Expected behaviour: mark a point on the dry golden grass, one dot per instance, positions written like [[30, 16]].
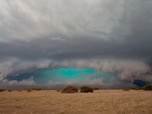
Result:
[[99, 102]]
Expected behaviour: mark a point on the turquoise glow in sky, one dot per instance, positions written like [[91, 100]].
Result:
[[63, 75]]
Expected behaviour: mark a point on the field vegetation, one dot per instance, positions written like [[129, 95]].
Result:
[[98, 102]]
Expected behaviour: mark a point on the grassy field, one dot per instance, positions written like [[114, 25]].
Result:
[[53, 102]]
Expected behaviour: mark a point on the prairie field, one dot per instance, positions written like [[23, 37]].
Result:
[[54, 102]]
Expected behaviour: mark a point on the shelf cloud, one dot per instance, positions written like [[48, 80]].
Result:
[[107, 36]]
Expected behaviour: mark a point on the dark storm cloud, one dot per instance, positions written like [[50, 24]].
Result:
[[74, 31], [128, 36]]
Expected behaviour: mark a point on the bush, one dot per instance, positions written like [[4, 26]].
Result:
[[58, 90], [86, 89], [2, 90], [37, 89], [9, 90], [95, 88], [19, 90], [29, 90], [125, 89], [70, 89], [147, 87], [137, 88]]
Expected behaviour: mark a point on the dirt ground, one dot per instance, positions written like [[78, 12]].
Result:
[[99, 102]]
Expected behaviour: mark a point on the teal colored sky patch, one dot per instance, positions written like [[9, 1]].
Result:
[[71, 74], [63, 75]]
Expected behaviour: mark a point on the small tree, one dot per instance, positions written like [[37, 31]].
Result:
[[2, 90], [29, 90], [70, 89], [86, 89], [147, 87], [36, 89], [126, 89], [95, 88], [58, 90], [9, 90]]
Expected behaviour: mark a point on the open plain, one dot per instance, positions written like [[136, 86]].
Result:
[[54, 102]]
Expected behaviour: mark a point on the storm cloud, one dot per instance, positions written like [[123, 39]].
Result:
[[111, 35]]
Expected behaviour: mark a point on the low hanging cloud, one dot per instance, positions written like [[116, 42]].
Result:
[[103, 35], [128, 71]]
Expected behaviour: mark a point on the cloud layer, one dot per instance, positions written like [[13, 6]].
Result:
[[104, 35]]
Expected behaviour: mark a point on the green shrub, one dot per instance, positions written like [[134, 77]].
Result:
[[37, 89], [147, 87], [86, 89], [95, 88], [137, 88], [9, 90], [70, 89], [2, 90], [19, 90], [29, 90], [58, 90], [125, 89]]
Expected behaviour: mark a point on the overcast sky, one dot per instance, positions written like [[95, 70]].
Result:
[[110, 35]]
